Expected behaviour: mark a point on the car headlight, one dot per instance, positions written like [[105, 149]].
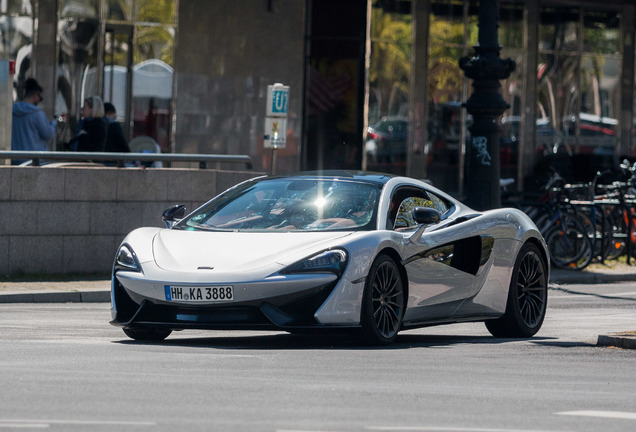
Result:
[[332, 261], [126, 259]]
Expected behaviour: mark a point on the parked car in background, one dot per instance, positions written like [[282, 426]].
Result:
[[386, 140], [547, 138]]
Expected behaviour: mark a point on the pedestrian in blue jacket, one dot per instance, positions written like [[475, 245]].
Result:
[[30, 128]]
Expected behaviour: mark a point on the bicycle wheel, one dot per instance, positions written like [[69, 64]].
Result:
[[569, 245], [598, 230], [616, 218]]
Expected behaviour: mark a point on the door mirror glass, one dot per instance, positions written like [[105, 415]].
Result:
[[426, 215]]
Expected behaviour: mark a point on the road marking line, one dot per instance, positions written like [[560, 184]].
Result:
[[23, 425], [47, 423], [450, 429], [602, 414]]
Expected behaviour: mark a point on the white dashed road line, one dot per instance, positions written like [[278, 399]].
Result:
[[602, 414], [450, 429], [41, 424]]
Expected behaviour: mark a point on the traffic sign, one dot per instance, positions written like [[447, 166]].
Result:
[[275, 133], [277, 96]]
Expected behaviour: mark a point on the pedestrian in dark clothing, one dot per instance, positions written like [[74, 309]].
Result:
[[30, 130], [115, 139], [92, 135]]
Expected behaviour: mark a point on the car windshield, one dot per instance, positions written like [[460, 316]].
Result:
[[289, 205]]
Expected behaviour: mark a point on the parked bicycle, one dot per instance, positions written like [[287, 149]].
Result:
[[586, 222]]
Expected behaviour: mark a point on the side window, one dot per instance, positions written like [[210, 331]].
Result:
[[404, 218], [405, 200], [438, 203]]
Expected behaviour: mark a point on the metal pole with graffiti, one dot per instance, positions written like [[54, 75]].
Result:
[[485, 104]]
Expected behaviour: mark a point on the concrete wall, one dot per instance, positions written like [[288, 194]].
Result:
[[71, 220], [227, 53]]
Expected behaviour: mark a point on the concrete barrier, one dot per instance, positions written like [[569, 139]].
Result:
[[71, 220]]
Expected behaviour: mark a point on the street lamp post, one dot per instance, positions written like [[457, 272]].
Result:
[[486, 105]]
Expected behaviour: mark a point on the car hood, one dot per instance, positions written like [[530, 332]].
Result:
[[180, 251]]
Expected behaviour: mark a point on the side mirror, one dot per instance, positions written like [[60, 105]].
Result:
[[173, 214], [426, 215]]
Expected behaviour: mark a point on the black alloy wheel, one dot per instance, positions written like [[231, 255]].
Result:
[[383, 302], [527, 297]]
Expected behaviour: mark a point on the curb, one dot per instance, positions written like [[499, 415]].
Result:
[[58, 297], [623, 340], [590, 278]]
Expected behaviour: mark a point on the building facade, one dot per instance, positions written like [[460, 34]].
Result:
[[374, 84]]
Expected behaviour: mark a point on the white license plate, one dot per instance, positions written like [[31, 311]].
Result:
[[222, 293]]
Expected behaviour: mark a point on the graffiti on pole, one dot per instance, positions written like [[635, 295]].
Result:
[[480, 145]]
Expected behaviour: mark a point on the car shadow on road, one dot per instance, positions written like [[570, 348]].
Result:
[[285, 341]]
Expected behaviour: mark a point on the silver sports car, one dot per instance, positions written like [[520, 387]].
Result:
[[363, 252]]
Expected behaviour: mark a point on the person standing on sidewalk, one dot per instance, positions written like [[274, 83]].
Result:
[[91, 136], [30, 130], [115, 139]]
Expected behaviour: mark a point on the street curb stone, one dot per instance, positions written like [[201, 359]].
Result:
[[624, 340], [57, 297]]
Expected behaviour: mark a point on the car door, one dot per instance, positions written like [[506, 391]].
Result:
[[443, 264]]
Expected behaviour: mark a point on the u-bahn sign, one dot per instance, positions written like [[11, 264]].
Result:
[[277, 96]]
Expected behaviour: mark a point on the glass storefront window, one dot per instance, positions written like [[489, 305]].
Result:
[[600, 93], [389, 77], [578, 90], [16, 44], [511, 35], [21, 7], [77, 72], [155, 11], [119, 10], [559, 29], [453, 34], [152, 83], [447, 89], [601, 32], [16, 39], [128, 64], [557, 102], [117, 45], [79, 8]]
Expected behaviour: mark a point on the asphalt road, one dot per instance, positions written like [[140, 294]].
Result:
[[63, 368]]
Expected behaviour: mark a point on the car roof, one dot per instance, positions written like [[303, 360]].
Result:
[[364, 176]]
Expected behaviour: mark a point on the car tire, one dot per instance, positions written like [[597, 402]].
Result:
[[383, 302], [527, 297], [147, 334]]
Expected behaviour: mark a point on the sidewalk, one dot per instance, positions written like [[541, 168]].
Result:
[[612, 271], [55, 291]]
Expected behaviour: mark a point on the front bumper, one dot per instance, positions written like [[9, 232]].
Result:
[[288, 309]]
